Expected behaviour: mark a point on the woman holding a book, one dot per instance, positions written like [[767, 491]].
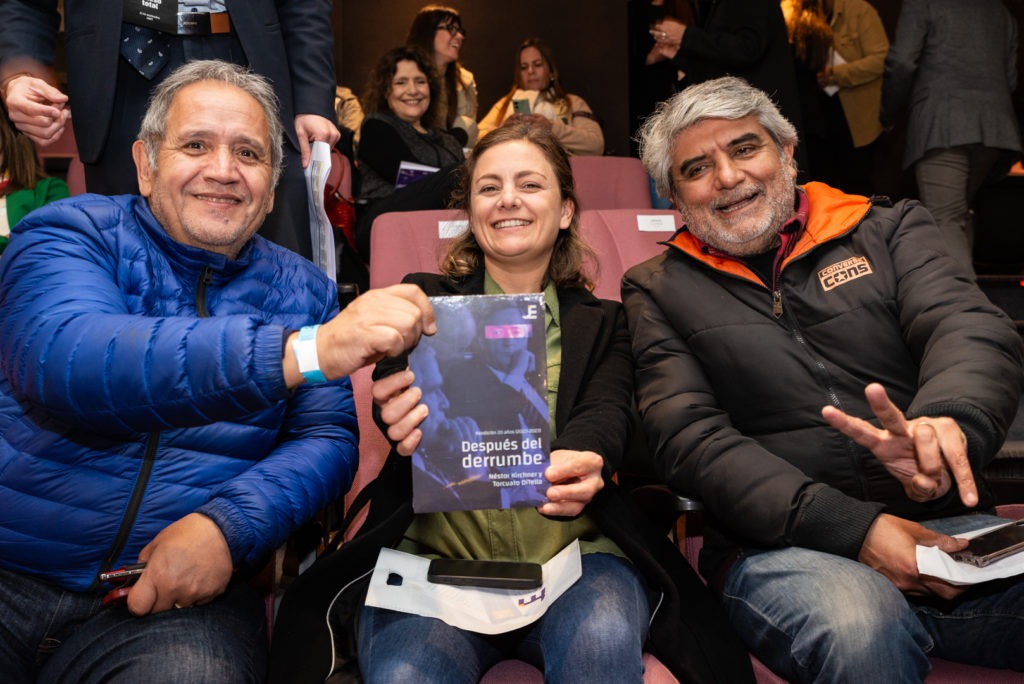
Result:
[[517, 190]]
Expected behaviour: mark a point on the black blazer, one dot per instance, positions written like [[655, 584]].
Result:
[[745, 38], [689, 632], [288, 42]]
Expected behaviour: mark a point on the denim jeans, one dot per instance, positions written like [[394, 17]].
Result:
[[48, 634], [593, 633], [812, 616]]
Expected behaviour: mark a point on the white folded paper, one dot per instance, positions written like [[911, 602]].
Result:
[[399, 582], [837, 59], [320, 230], [932, 561]]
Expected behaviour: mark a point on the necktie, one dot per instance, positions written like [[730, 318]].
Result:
[[145, 49]]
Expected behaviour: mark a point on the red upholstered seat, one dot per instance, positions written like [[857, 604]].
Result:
[[611, 182]]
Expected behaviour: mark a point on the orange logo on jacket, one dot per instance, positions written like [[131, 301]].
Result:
[[838, 274]]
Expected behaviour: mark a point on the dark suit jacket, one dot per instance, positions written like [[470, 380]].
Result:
[[688, 633], [745, 38], [953, 68], [288, 42]]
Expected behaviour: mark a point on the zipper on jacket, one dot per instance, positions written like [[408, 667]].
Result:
[[205, 278], [777, 303], [134, 503], [824, 379], [152, 442]]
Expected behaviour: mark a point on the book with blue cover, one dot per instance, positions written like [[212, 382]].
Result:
[[486, 440]]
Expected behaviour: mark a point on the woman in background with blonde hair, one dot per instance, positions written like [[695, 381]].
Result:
[[535, 83], [839, 49]]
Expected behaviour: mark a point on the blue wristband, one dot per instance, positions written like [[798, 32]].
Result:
[[305, 354]]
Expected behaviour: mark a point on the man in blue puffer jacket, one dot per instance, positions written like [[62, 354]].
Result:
[[173, 392]]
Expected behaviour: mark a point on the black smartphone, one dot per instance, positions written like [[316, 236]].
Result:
[[493, 574], [992, 546]]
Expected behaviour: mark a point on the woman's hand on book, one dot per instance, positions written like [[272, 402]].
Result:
[[575, 478], [401, 409]]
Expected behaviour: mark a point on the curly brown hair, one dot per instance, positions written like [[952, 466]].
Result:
[[378, 85], [572, 259]]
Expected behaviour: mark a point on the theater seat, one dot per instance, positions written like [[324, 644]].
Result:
[[373, 446], [611, 182], [65, 147], [76, 176], [410, 242], [519, 672], [373, 450], [622, 238], [414, 241]]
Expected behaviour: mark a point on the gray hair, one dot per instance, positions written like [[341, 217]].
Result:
[[154, 123], [721, 98]]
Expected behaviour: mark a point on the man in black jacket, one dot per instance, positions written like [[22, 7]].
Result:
[[772, 301]]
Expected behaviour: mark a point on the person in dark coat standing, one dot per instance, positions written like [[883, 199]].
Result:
[[745, 38], [954, 67]]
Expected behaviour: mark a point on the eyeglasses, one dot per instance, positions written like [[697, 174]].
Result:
[[453, 28]]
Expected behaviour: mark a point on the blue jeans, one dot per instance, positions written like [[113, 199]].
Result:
[[48, 634], [593, 633], [812, 616]]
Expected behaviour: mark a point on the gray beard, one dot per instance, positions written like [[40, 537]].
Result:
[[763, 239]]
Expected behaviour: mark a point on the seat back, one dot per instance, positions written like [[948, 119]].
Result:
[[373, 446], [76, 176], [622, 238], [611, 183], [414, 241], [411, 242], [340, 177], [65, 147], [1013, 511]]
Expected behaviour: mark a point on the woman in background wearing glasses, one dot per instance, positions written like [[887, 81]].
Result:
[[438, 30]]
